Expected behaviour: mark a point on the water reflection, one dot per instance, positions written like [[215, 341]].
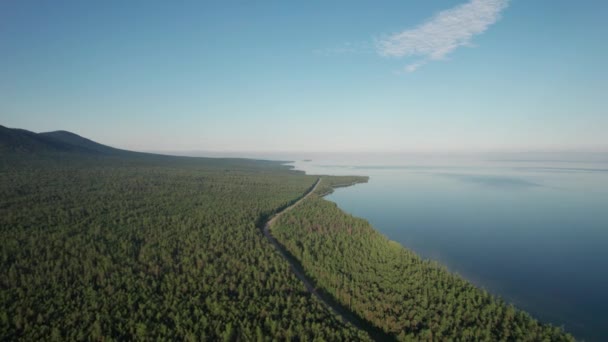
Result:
[[491, 180]]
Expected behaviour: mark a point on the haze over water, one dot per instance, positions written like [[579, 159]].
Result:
[[533, 232]]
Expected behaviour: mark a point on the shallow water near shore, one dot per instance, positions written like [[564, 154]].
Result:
[[532, 232]]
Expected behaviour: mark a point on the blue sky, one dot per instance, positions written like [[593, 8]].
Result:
[[479, 75]]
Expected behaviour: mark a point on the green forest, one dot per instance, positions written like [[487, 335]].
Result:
[[391, 287], [150, 248]]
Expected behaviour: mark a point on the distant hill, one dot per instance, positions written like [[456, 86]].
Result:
[[13, 140], [19, 145], [72, 139]]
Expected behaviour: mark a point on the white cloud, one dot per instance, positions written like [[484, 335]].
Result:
[[443, 33]]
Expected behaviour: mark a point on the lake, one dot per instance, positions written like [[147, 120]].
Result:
[[533, 232]]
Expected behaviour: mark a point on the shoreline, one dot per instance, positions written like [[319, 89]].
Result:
[[517, 304]]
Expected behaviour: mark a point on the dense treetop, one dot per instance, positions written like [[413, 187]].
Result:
[[149, 247]]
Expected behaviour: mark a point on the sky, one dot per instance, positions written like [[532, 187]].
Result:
[[339, 76]]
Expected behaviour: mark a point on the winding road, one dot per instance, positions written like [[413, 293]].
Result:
[[338, 309], [297, 270]]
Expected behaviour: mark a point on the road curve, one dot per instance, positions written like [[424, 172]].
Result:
[[346, 315], [295, 268]]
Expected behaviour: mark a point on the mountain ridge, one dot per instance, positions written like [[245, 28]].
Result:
[[19, 145], [21, 141]]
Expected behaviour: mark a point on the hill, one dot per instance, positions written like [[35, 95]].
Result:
[[13, 140], [85, 144]]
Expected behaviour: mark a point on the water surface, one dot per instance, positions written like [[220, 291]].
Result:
[[534, 233]]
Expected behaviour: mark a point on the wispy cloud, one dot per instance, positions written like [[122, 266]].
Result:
[[442, 34]]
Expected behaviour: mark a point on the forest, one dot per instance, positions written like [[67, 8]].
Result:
[[391, 287], [149, 248], [103, 244]]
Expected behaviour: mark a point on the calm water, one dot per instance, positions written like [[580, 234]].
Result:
[[535, 233]]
